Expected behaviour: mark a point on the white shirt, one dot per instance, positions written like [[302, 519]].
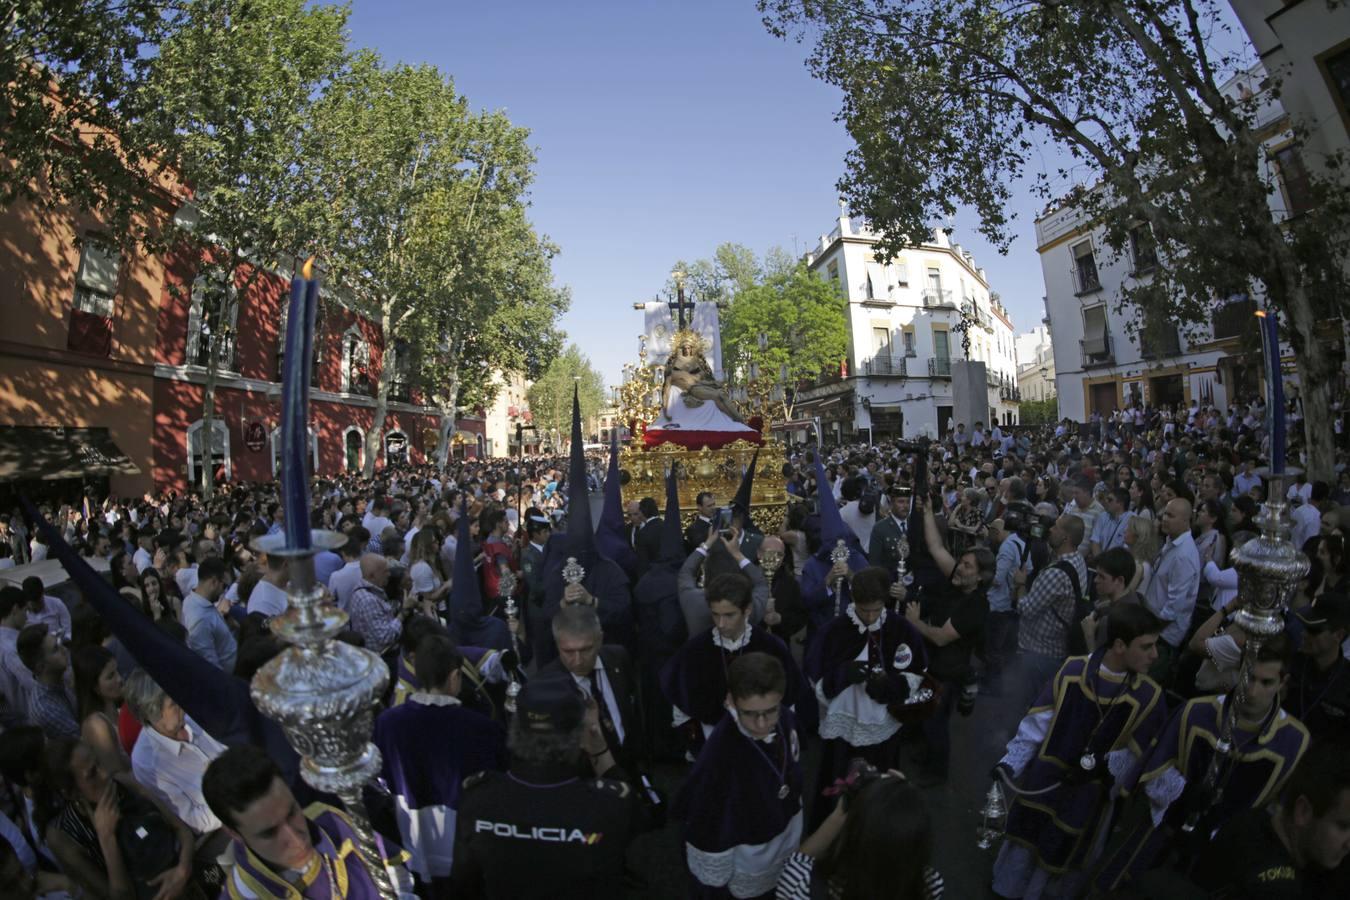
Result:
[[268, 599], [142, 559], [173, 771], [344, 581], [1307, 521], [54, 615], [187, 579]]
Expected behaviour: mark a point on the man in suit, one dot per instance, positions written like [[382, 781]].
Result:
[[645, 532], [705, 513], [890, 532], [537, 530], [603, 674]]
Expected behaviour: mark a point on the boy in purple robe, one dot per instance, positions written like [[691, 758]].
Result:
[[1089, 727], [742, 803], [1183, 815], [695, 679], [861, 664], [281, 851], [429, 745]]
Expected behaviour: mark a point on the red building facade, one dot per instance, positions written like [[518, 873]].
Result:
[[349, 353]]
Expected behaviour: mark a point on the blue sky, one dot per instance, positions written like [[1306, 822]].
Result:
[[662, 130]]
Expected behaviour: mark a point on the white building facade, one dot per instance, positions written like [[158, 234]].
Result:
[[1036, 364], [904, 316], [509, 409]]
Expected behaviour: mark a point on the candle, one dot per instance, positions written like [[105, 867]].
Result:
[[295, 406], [1275, 424]]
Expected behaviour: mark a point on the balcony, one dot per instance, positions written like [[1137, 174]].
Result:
[[1010, 394], [1156, 343], [400, 392], [199, 352], [940, 367], [933, 297], [1097, 351], [885, 366], [1085, 277]]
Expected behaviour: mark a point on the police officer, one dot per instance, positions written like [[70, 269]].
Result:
[[537, 530], [540, 830], [1319, 684]]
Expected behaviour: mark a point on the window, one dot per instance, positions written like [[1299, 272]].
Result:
[[276, 451], [1143, 248], [1096, 338], [908, 337], [208, 323], [878, 284], [96, 279], [932, 295], [1298, 197], [1085, 268], [881, 342], [941, 344], [901, 272], [1337, 71], [355, 362], [318, 345], [833, 270], [354, 446]]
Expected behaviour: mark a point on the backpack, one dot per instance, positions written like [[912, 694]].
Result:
[[1074, 640]]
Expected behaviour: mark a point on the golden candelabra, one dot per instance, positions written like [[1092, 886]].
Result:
[[640, 393]]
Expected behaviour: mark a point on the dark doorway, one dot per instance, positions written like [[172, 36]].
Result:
[[1166, 390], [944, 414], [1104, 398]]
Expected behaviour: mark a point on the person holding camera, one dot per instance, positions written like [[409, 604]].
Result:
[[853, 852], [952, 617], [859, 665]]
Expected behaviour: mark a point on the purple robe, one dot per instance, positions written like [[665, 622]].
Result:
[[695, 679], [335, 839], [738, 831], [1175, 768], [1082, 709], [429, 745]]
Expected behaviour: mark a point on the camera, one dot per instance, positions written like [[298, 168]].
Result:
[[1040, 526]]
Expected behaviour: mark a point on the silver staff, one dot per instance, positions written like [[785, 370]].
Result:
[[322, 692]]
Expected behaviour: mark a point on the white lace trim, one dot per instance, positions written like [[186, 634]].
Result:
[[678, 716], [863, 629], [731, 646], [855, 717], [1163, 791], [427, 699], [746, 870]]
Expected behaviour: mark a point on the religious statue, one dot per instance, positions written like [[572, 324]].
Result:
[[689, 379]]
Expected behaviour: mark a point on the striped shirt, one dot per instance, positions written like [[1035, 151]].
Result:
[[794, 882]]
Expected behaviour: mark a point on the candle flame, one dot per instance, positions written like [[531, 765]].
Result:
[[1260, 313], [308, 269]]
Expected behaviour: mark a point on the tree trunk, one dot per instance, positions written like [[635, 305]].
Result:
[[374, 436], [207, 472], [449, 408], [1316, 375]]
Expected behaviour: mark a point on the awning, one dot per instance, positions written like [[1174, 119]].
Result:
[[50, 453]]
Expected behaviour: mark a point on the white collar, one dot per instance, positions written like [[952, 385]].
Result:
[[599, 667], [863, 629], [168, 744], [539, 547], [429, 699], [719, 641]]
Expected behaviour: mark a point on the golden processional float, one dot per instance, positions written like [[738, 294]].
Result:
[[680, 417]]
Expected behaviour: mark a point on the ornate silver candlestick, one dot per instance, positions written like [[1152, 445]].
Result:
[[1269, 569], [839, 555], [902, 555], [322, 692], [506, 585], [993, 814]]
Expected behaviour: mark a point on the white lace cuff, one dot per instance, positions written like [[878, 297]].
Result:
[[1163, 791], [678, 716]]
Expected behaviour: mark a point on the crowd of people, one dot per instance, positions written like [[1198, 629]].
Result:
[[779, 690]]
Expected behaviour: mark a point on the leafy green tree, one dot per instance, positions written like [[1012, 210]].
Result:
[[786, 330], [416, 205], [950, 102], [733, 268], [550, 396], [230, 93], [72, 104], [1038, 412]]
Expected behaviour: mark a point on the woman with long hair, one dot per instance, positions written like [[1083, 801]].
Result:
[[1141, 498], [156, 602], [122, 568], [1141, 539], [424, 573], [98, 697], [876, 846], [1211, 533]]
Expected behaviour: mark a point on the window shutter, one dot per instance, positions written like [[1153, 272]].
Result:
[[98, 267]]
